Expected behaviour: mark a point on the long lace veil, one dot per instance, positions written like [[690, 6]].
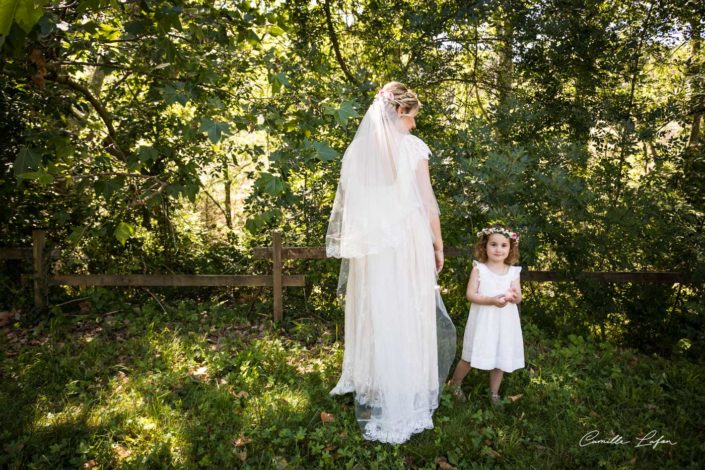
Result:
[[368, 203]]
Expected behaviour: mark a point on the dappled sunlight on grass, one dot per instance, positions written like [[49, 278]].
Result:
[[275, 404], [210, 391], [68, 415]]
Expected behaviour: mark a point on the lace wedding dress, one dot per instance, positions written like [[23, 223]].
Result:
[[399, 340]]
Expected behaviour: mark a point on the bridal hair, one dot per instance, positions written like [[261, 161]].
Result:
[[404, 98], [480, 250]]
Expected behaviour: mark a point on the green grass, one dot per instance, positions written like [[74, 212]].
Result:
[[213, 386]]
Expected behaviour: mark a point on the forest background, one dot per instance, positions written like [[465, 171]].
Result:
[[175, 136]]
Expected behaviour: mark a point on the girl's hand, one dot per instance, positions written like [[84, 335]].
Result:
[[439, 260], [511, 296], [499, 301]]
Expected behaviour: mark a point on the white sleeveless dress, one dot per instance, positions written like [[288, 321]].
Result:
[[493, 338]]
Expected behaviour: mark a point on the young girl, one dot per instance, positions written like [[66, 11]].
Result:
[[493, 339]]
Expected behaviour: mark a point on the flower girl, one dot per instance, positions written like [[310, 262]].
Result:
[[493, 339]]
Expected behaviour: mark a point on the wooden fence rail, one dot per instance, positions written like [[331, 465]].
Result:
[[277, 280]]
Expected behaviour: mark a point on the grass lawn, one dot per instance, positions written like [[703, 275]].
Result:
[[215, 386]]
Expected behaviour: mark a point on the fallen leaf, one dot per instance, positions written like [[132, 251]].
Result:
[[90, 464], [443, 464], [200, 373], [241, 440], [327, 417], [514, 398], [242, 455], [122, 452]]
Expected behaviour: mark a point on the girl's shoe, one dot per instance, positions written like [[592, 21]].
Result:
[[456, 392], [494, 398]]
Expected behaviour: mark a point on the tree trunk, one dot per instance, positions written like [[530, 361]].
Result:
[[228, 203], [697, 90], [505, 72]]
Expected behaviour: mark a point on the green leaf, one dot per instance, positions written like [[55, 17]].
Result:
[[76, 234], [252, 38], [256, 223], [27, 12], [215, 129], [175, 94], [7, 14], [324, 152], [40, 176], [281, 77], [276, 155], [44, 178], [63, 147], [123, 232], [275, 30], [107, 188], [270, 184], [276, 85], [135, 28], [147, 154], [345, 112], [278, 80], [191, 190], [27, 160]]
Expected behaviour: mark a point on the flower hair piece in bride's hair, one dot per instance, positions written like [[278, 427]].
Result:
[[386, 95], [400, 97], [487, 231]]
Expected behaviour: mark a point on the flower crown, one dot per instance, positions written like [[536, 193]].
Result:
[[501, 230]]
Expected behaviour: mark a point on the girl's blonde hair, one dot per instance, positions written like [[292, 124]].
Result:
[[404, 98], [480, 250]]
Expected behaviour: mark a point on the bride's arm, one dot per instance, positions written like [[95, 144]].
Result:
[[430, 204]]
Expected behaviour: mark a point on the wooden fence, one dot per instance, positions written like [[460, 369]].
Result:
[[277, 280]]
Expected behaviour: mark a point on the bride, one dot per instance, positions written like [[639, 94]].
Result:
[[399, 340]]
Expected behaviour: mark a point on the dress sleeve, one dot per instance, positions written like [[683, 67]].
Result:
[[516, 271], [420, 148], [423, 177], [478, 265]]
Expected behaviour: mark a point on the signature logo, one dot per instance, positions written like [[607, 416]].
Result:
[[651, 439]]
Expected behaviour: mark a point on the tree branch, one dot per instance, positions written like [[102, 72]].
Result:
[[97, 105], [107, 65], [336, 46], [630, 104], [216, 203]]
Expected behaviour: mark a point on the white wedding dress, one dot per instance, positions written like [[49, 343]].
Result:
[[399, 340]]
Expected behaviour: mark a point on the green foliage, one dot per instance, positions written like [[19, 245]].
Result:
[[112, 383], [574, 122], [123, 232]]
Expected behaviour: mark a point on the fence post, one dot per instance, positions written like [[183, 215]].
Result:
[[277, 275], [40, 278]]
